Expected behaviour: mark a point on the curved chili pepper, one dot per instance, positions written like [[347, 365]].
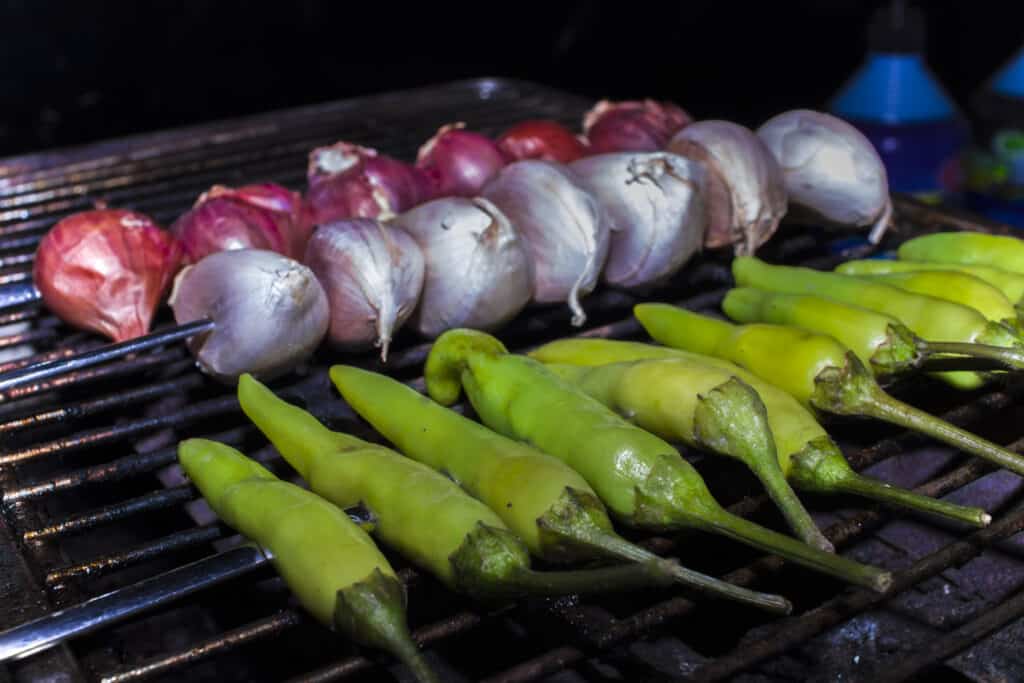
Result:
[[809, 458], [641, 478], [545, 503], [957, 327], [814, 368], [1010, 284], [667, 398], [330, 564], [974, 248], [421, 513]]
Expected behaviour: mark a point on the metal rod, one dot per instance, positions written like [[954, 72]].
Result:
[[40, 371], [39, 634], [19, 294]]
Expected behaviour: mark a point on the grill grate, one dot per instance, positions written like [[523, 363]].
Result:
[[91, 506]]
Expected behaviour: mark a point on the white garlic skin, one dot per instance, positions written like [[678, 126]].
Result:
[[269, 312], [747, 191], [562, 224], [656, 210], [477, 269], [372, 274], [831, 170]]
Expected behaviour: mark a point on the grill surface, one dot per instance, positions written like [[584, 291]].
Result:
[[92, 503]]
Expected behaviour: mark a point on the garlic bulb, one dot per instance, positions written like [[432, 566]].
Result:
[[562, 224], [655, 206], [477, 269], [832, 171], [746, 189], [372, 274], [269, 312]]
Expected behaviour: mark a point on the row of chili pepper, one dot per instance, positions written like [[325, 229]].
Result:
[[577, 433]]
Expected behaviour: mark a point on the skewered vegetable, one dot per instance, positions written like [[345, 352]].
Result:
[[833, 173], [746, 191], [681, 389], [1010, 284], [969, 248], [541, 139], [459, 162], [632, 126], [330, 564], [288, 208], [477, 270], [642, 479], [656, 211], [810, 459], [269, 312], [932, 319], [372, 275], [544, 502], [562, 226], [106, 270], [422, 513], [814, 368]]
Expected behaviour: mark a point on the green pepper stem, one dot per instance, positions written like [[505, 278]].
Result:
[[1007, 357], [407, 653], [781, 493], [745, 531], [886, 408], [878, 490], [956, 364]]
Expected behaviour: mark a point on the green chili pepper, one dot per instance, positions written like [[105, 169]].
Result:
[[814, 368], [421, 513], [957, 327], [666, 398], [809, 458], [548, 505], [330, 564], [641, 478], [1010, 284], [974, 248]]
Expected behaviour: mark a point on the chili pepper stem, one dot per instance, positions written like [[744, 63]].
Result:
[[372, 612], [1006, 357], [852, 391], [732, 420], [570, 525], [878, 490]]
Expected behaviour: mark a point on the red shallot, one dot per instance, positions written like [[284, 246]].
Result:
[[222, 220], [106, 270], [288, 205], [542, 139], [632, 126], [459, 162]]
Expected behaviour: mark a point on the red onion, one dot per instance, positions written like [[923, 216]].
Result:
[[106, 270], [459, 162], [280, 200], [542, 139], [373, 275], [632, 126], [349, 181], [222, 223], [746, 195]]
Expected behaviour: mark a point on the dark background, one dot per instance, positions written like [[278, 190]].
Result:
[[76, 71]]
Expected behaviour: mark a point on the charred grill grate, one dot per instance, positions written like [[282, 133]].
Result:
[[89, 505]]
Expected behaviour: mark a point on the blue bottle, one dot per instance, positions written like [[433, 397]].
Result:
[[895, 100], [995, 165]]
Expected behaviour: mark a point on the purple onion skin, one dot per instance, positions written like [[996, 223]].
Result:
[[349, 181], [477, 267], [632, 126], [562, 224], [223, 223], [459, 162], [373, 276], [747, 191], [655, 205]]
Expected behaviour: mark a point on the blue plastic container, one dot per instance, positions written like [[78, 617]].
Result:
[[896, 101]]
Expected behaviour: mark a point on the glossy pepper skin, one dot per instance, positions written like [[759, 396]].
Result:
[[808, 457], [643, 480], [973, 248], [929, 318], [330, 564], [1010, 284], [667, 398], [814, 368], [547, 504], [419, 512]]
